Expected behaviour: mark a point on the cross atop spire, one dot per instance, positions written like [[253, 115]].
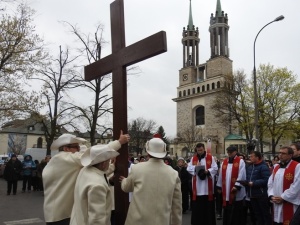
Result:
[[219, 8], [190, 24]]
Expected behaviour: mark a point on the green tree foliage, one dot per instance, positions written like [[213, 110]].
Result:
[[161, 132], [278, 104]]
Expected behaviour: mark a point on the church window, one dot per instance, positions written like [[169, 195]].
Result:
[[40, 142], [193, 90], [179, 94], [184, 93], [213, 86], [203, 88], [207, 87], [218, 84], [31, 128], [198, 89], [189, 92], [200, 115]]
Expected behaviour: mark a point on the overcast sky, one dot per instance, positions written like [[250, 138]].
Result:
[[150, 94]]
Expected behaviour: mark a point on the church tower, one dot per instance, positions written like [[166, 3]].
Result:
[[200, 83]]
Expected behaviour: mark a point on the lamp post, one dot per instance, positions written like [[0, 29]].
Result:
[[255, 86]]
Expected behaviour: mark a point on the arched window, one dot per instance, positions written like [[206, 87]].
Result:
[[193, 90], [200, 115], [184, 93], [207, 87], [40, 142], [213, 86], [203, 88], [179, 94], [218, 84], [189, 92], [198, 89]]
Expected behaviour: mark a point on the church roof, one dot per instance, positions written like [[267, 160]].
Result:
[[191, 23], [219, 8], [234, 137]]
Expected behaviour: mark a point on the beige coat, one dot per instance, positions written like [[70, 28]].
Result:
[[59, 178], [92, 200], [156, 191]]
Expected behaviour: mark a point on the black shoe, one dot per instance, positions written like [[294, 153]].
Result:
[[8, 193]]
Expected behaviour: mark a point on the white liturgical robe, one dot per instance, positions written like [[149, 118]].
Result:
[[292, 194]]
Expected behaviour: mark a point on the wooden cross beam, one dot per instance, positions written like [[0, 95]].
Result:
[[116, 63]]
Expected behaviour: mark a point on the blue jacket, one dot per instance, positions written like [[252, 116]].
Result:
[[258, 174], [28, 165]]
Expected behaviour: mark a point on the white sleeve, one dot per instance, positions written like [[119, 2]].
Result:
[[242, 173]]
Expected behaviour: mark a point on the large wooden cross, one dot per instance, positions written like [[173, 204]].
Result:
[[116, 63]]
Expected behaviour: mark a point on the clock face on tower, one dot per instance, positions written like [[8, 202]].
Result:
[[184, 77]]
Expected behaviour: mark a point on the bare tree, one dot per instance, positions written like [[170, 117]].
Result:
[[58, 78], [90, 51], [233, 106], [189, 136], [140, 130]]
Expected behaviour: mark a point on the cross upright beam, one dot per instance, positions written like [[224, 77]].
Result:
[[116, 63]]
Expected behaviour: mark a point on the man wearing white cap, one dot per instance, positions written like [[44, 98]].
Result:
[[92, 199], [59, 177], [156, 189]]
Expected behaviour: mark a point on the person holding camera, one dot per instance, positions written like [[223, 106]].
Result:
[[203, 168]]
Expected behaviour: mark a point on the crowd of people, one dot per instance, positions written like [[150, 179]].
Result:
[[29, 171], [78, 185]]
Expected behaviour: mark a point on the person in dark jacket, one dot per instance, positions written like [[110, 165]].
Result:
[[184, 176], [28, 166], [12, 173], [257, 175]]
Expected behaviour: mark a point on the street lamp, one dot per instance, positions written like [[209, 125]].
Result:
[[255, 88]]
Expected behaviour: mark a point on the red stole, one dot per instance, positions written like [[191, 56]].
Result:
[[289, 174], [208, 162], [234, 176]]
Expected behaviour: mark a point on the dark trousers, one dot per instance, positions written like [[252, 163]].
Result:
[[248, 208], [262, 211], [27, 179], [12, 184], [296, 218], [233, 213], [185, 197], [219, 201], [61, 222], [203, 211]]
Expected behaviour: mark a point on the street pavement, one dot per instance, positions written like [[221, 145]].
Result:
[[27, 208]]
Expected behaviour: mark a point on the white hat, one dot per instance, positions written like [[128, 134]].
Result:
[[83, 148], [97, 154], [66, 139], [180, 158], [156, 148]]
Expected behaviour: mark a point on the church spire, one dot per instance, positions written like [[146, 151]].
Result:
[[190, 42], [219, 33], [190, 24], [219, 8]]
